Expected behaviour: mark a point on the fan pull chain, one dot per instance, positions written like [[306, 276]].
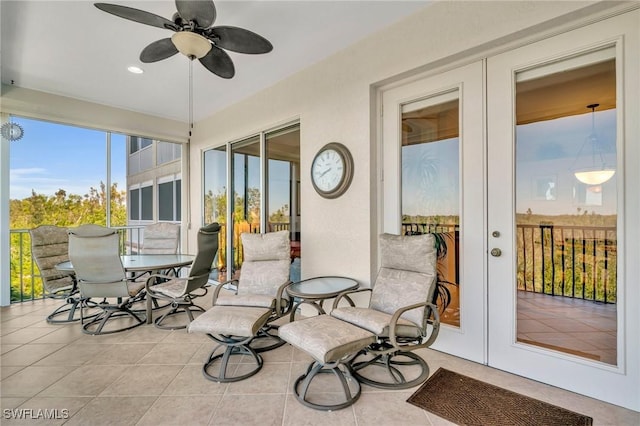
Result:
[[190, 97]]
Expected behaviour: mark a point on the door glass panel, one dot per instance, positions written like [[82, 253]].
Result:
[[283, 183], [246, 194], [566, 209], [215, 203], [431, 188]]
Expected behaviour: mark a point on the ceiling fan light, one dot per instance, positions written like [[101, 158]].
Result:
[[594, 177], [191, 44]]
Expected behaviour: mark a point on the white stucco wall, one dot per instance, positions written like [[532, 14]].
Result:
[[333, 100]]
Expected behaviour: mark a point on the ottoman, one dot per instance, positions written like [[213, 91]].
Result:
[[233, 327], [332, 344]]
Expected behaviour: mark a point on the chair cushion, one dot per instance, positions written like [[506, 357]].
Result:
[[160, 238], [375, 321], [263, 277], [231, 321], [135, 287], [255, 300], [50, 246], [270, 246], [415, 253], [325, 338], [172, 288], [396, 289]]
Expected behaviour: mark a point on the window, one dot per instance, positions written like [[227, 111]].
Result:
[[141, 202], [138, 143], [169, 192], [134, 204], [167, 152], [146, 198]]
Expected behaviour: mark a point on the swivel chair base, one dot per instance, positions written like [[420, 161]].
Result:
[[232, 347], [397, 366]]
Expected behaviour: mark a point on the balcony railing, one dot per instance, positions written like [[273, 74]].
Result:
[[572, 261]]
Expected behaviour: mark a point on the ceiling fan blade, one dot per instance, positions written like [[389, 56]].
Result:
[[158, 50], [137, 15], [203, 12], [239, 40], [218, 62]]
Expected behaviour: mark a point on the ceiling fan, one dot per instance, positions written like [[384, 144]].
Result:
[[194, 36]]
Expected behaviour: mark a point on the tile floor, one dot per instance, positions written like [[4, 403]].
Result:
[[148, 376]]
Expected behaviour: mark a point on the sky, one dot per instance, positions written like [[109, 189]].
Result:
[[52, 156]]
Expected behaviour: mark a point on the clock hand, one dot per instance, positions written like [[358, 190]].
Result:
[[325, 172]]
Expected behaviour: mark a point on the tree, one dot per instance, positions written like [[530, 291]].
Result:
[[60, 209]]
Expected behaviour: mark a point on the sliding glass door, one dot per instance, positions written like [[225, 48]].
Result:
[[251, 186]]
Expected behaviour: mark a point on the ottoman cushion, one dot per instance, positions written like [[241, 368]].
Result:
[[231, 321], [325, 338]]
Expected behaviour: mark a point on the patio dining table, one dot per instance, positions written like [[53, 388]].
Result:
[[144, 262]]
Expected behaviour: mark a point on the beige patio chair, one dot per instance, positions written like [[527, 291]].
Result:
[[94, 252], [50, 246], [401, 313], [180, 292], [242, 323], [160, 238]]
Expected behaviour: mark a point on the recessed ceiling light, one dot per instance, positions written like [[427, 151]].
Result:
[[135, 70]]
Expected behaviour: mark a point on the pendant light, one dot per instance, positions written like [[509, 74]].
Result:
[[597, 172]]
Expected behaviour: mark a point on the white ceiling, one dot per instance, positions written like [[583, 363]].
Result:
[[73, 49]]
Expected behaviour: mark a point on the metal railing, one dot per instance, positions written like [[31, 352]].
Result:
[[573, 261]]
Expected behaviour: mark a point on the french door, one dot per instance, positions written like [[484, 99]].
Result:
[[433, 182], [559, 122], [526, 157]]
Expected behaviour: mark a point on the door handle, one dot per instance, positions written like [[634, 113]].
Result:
[[496, 252]]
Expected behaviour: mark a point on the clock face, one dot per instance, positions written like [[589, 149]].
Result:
[[328, 170], [332, 170]]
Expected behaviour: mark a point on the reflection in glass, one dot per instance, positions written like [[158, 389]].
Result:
[[215, 201], [566, 229], [431, 189], [246, 193]]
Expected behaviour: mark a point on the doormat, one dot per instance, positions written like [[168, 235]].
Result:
[[468, 401]]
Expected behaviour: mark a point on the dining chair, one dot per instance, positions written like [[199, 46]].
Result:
[[94, 252], [181, 292], [243, 323], [50, 246], [160, 238]]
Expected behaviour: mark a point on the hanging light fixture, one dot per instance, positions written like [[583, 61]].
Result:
[[596, 173]]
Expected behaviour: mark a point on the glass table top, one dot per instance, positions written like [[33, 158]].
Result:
[[144, 262], [321, 287]]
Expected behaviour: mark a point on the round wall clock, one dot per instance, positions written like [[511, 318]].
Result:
[[332, 170]]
